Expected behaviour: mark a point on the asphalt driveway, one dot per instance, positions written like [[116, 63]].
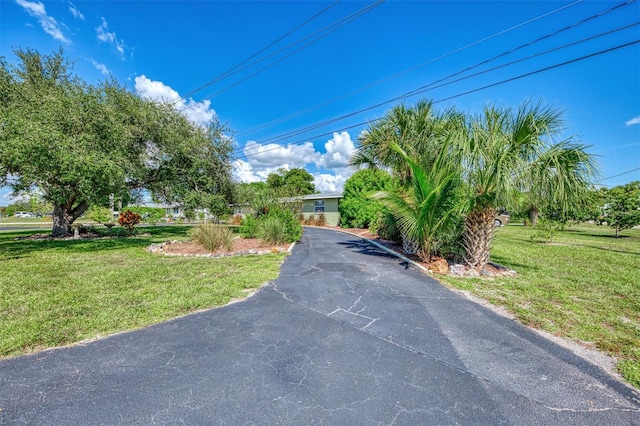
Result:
[[346, 335]]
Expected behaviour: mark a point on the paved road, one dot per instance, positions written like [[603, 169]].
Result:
[[346, 335]]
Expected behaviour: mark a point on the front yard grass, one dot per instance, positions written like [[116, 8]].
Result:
[[585, 285], [54, 293]]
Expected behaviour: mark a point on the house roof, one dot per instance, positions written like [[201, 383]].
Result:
[[158, 205], [323, 196]]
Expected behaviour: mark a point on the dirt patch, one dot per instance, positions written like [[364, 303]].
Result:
[[240, 246]]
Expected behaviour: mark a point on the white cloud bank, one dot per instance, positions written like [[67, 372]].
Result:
[[107, 36], [633, 121], [48, 23], [198, 112], [261, 160]]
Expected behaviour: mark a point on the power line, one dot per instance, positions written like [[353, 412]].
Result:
[[620, 174], [327, 29], [337, 25], [226, 73], [424, 88], [544, 37], [430, 87], [312, 108], [601, 52]]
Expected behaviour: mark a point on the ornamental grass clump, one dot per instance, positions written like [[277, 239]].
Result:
[[272, 230], [212, 236]]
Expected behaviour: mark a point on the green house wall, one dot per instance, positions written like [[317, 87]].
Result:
[[331, 215]]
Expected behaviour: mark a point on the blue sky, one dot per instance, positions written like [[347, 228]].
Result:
[[166, 49]]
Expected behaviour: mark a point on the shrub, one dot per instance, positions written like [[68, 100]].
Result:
[[291, 225], [128, 220], [386, 228], [236, 219], [357, 209], [272, 230], [248, 227], [212, 236], [546, 229], [321, 220], [101, 215], [287, 221], [310, 220], [151, 215]]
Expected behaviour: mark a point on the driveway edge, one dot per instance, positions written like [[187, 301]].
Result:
[[378, 245]]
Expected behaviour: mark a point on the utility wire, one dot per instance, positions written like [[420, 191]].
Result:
[[244, 61], [544, 37], [430, 87], [620, 174], [297, 114], [327, 29], [540, 70], [423, 88], [337, 25]]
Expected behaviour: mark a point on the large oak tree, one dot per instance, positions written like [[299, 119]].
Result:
[[79, 144]]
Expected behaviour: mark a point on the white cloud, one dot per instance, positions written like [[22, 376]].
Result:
[[262, 159], [48, 23], [100, 67], [634, 120], [273, 155], [329, 183], [243, 172], [107, 36], [198, 112], [339, 150], [75, 12]]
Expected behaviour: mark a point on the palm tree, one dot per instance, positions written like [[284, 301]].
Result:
[[504, 154], [417, 130], [427, 205], [562, 176]]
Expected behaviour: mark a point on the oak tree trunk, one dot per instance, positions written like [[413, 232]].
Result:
[[64, 216], [61, 222]]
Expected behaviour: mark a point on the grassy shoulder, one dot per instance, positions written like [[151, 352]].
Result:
[[584, 285], [54, 293]]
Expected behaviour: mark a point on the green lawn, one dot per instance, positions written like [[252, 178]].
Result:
[[54, 293], [584, 285]]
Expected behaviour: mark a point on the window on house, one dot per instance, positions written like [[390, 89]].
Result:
[[176, 210], [318, 207]]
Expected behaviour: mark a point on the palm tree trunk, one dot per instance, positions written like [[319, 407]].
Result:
[[408, 245], [533, 216], [478, 233]]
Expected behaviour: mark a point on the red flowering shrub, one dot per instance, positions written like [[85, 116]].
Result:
[[128, 220]]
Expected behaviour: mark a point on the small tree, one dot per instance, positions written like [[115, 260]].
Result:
[[427, 207], [101, 215], [622, 208]]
